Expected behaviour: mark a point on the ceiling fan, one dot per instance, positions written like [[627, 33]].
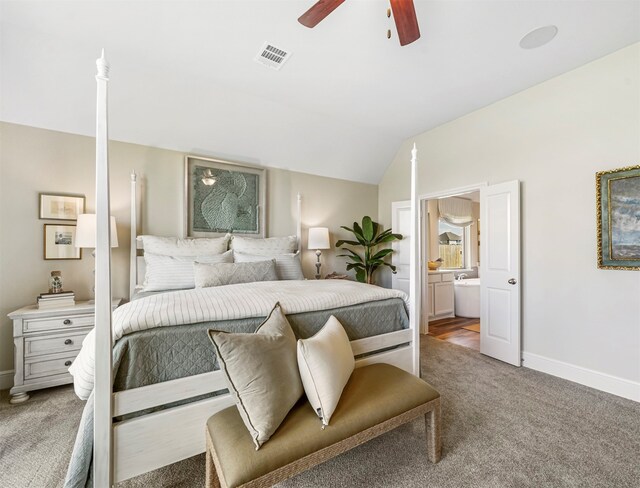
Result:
[[404, 15]]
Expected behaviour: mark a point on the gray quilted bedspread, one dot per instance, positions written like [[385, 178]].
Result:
[[168, 353]]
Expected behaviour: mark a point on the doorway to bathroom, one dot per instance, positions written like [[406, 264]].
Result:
[[498, 270], [491, 265], [451, 286]]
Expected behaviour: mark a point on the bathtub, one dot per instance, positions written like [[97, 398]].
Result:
[[467, 298]]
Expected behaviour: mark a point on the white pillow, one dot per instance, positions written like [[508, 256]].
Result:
[[288, 266], [267, 246], [326, 363], [174, 246], [176, 272], [220, 274]]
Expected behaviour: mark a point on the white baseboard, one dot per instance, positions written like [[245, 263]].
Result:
[[6, 379], [588, 377]]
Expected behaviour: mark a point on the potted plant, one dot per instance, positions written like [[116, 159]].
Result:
[[369, 237]]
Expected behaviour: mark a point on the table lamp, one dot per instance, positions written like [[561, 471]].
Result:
[[318, 239], [86, 235]]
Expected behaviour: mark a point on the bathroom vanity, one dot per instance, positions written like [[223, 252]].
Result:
[[440, 293]]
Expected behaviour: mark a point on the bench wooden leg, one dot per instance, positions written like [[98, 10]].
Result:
[[434, 441], [212, 479]]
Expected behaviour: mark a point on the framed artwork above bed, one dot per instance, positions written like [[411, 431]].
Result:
[[224, 197]]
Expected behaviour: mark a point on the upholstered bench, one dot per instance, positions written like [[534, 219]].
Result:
[[377, 399]]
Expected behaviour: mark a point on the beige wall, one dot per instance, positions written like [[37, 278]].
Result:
[[35, 160], [552, 137]]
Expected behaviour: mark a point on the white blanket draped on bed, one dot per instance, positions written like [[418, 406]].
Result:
[[224, 303]]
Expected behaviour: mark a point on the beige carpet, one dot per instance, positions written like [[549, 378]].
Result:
[[473, 328], [503, 427]]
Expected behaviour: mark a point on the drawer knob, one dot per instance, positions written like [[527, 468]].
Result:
[[67, 363], [66, 321], [68, 342]]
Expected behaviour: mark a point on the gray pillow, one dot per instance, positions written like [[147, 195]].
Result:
[[219, 274], [288, 266], [262, 373]]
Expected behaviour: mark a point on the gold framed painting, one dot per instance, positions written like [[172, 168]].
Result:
[[60, 242], [618, 213], [61, 207]]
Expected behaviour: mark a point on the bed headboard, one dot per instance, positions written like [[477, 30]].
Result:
[[137, 263]]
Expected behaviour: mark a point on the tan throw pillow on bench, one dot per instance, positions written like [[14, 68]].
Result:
[[262, 373], [326, 363]]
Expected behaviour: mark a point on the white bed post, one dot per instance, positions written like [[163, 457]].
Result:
[[299, 225], [414, 274], [103, 443], [133, 254]]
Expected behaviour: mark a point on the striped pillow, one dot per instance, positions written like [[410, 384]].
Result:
[[176, 272], [288, 265]]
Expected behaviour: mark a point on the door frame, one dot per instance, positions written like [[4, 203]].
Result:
[[400, 204], [424, 248]]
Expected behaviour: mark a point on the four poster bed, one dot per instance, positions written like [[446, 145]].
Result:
[[149, 371]]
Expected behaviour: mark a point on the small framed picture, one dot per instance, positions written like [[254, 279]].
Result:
[[61, 207], [60, 242]]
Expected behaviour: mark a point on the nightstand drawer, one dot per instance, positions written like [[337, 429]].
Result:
[[41, 345], [53, 323], [38, 368]]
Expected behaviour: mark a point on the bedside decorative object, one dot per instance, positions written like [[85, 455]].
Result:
[[369, 236], [61, 207], [45, 344], [56, 300], [59, 242], [318, 239], [618, 214], [55, 282]]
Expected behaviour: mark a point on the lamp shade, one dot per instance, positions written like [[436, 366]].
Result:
[[86, 231], [318, 238]]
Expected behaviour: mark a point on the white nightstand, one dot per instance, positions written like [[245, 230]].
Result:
[[46, 341]]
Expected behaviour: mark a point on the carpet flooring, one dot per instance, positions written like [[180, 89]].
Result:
[[502, 427]]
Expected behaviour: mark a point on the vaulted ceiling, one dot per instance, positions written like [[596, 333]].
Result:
[[183, 74]]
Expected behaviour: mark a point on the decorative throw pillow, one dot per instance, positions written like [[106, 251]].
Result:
[[207, 275], [262, 373], [267, 246], [173, 246], [176, 272], [288, 266], [326, 363]]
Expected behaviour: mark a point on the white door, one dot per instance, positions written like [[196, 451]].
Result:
[[500, 272], [401, 224]]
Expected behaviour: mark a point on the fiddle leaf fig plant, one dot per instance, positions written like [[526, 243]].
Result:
[[369, 237]]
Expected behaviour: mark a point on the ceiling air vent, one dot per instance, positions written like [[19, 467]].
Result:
[[271, 56]]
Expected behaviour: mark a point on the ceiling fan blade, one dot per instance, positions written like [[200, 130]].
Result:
[[404, 15], [318, 12]]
